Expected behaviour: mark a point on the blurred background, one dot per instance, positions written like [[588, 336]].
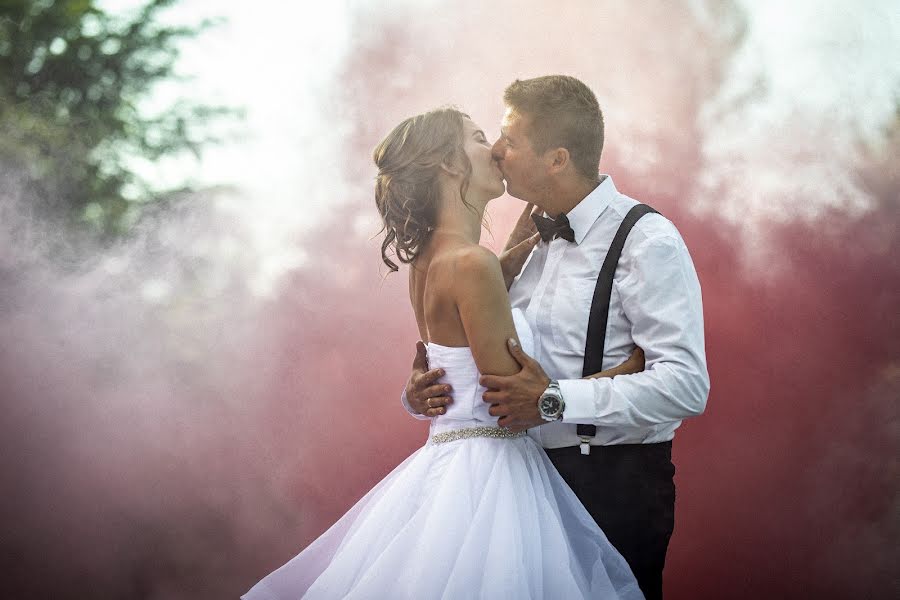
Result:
[[201, 354]]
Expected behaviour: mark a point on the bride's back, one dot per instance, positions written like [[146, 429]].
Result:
[[432, 277], [457, 292]]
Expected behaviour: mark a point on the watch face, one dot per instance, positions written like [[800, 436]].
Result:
[[550, 405]]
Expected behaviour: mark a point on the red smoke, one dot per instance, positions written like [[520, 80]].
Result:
[[184, 451]]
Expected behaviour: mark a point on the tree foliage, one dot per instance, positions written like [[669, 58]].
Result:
[[72, 78]]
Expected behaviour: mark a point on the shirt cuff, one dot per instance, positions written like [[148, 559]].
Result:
[[580, 396], [409, 409]]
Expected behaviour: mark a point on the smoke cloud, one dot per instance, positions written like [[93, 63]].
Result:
[[170, 432]]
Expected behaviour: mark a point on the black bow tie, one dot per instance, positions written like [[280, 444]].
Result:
[[553, 228]]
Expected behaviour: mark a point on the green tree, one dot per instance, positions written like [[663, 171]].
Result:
[[71, 80]]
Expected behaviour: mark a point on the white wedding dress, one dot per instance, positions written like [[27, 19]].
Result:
[[474, 517]]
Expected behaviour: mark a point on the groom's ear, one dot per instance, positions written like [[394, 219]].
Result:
[[558, 159]]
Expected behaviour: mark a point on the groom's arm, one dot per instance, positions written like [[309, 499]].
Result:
[[661, 299]]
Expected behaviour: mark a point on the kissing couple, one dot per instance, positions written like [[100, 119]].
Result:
[[554, 376]]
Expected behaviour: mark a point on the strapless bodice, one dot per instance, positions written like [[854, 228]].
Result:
[[468, 409]]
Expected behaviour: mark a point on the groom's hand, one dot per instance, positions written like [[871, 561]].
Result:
[[424, 397], [514, 398]]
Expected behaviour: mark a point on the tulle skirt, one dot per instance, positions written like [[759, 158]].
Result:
[[473, 518]]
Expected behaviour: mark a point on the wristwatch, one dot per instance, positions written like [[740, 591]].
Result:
[[551, 403]]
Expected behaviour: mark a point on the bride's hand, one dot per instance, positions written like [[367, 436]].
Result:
[[634, 364], [523, 238]]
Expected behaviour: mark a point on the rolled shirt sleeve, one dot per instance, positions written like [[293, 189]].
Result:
[[661, 299]]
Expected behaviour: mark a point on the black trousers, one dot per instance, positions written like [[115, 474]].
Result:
[[630, 491]]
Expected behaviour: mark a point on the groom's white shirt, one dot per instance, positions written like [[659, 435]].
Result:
[[655, 304]]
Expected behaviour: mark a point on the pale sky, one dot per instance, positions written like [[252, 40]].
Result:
[[274, 58], [278, 61]]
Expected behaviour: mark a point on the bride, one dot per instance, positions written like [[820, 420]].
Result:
[[478, 511]]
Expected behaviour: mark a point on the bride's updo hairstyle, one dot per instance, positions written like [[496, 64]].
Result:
[[407, 192]]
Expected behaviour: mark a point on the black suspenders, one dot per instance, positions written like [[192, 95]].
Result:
[[596, 331]]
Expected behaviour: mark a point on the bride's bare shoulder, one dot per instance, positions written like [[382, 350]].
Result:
[[467, 269], [474, 264]]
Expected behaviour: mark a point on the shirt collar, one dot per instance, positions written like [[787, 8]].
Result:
[[582, 217]]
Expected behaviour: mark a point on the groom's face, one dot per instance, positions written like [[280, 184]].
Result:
[[523, 170]]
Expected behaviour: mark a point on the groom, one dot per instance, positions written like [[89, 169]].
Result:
[[610, 438]]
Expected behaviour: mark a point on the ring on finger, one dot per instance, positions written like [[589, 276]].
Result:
[[428, 402]]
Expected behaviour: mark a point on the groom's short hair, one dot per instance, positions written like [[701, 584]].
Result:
[[564, 113]]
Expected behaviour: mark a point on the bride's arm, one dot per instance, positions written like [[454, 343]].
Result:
[[483, 305], [634, 364], [519, 245]]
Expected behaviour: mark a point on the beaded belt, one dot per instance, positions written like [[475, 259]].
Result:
[[470, 432]]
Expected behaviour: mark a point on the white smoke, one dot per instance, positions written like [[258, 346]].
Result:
[[812, 83]]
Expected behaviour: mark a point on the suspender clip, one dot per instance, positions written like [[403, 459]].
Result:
[[585, 433], [585, 445]]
